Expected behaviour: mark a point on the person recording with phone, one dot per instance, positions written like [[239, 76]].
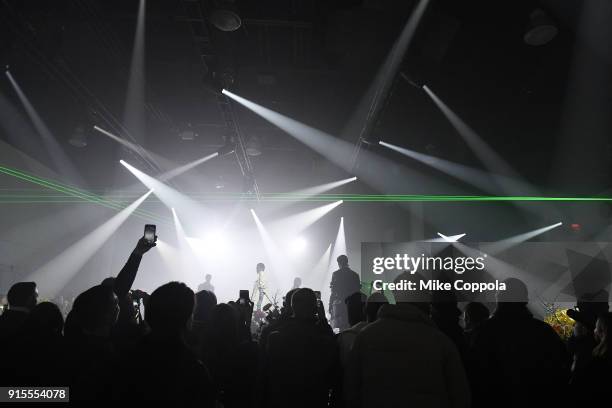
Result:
[[101, 326], [128, 330]]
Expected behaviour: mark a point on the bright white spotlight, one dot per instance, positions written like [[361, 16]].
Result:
[[485, 153], [320, 278], [168, 253], [321, 267], [180, 231], [504, 244], [186, 167], [56, 273], [297, 223], [500, 269], [134, 107], [61, 161], [339, 246], [274, 253], [138, 149], [169, 196], [451, 238], [487, 181], [298, 245], [322, 188], [372, 103], [340, 152]]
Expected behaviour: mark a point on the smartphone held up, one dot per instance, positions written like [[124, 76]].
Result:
[[149, 233]]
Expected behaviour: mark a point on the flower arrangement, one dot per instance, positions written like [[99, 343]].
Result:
[[558, 319]]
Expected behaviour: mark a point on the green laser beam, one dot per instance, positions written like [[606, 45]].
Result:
[[48, 184], [122, 202], [119, 201], [75, 192], [289, 196], [348, 197]]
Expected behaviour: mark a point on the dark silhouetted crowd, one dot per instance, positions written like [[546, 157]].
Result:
[[174, 347]]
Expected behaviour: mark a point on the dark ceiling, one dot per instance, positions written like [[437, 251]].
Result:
[[542, 108]]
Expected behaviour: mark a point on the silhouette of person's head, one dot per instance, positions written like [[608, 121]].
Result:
[[589, 307], [260, 267], [474, 314], [297, 282], [287, 310], [110, 281], [603, 335], [170, 308], [205, 302], [373, 304], [418, 297], [96, 310], [304, 304], [208, 277], [355, 306], [45, 320], [224, 319], [23, 294], [342, 261]]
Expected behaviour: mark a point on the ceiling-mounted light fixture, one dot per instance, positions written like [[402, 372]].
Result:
[[217, 81], [78, 137], [370, 140], [253, 146], [225, 17], [188, 133], [229, 147], [541, 28]]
